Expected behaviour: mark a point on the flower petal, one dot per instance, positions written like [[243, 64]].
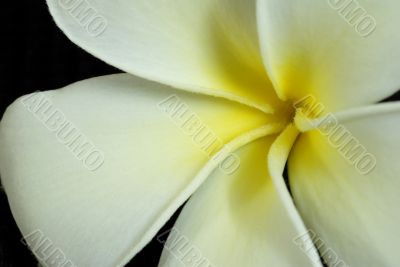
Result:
[[236, 220], [344, 197], [100, 166], [344, 52], [208, 46]]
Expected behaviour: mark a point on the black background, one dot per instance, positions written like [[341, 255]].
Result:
[[35, 55]]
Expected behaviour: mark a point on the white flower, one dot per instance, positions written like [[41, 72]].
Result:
[[238, 67]]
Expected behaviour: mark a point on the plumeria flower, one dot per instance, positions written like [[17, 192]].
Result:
[[241, 67]]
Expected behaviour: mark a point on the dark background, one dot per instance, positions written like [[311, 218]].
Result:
[[35, 55]]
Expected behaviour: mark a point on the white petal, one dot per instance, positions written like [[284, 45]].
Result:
[[207, 46], [348, 200], [326, 48], [236, 220], [101, 212]]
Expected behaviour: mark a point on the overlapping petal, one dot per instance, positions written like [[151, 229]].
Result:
[[100, 166], [208, 46], [345, 181], [236, 220], [344, 52], [277, 158]]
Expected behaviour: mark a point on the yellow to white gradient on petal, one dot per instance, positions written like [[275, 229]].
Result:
[[239, 67]]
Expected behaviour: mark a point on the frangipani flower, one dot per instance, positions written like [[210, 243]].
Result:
[[240, 66]]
